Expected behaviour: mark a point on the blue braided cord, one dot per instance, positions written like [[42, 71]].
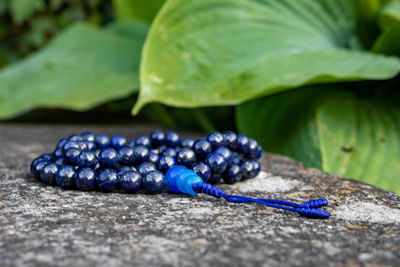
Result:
[[311, 204], [211, 190]]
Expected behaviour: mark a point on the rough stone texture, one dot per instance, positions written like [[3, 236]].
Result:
[[43, 225]]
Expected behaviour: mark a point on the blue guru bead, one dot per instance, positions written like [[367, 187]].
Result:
[[87, 159], [202, 148], [179, 179], [117, 142], [157, 138], [187, 142], [166, 162], [102, 141], [153, 182], [130, 181], [242, 144], [109, 158], [107, 179], [146, 167], [141, 154], [172, 139], [202, 170], [186, 157], [126, 155], [85, 179], [88, 136], [71, 155], [232, 174], [66, 176], [49, 173], [216, 162], [225, 152], [230, 139], [142, 141]]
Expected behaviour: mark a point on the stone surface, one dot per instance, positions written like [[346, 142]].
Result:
[[42, 225]]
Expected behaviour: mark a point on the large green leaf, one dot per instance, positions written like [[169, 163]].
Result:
[[330, 129], [218, 52], [137, 9], [22, 9], [390, 15], [83, 67]]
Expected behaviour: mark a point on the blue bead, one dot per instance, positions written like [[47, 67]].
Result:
[[154, 182], [169, 152], [130, 143], [49, 173], [155, 151], [225, 152], [202, 170], [247, 169], [252, 148], [38, 167], [202, 148], [142, 141], [179, 179], [157, 138], [66, 176], [102, 141], [71, 155], [85, 179], [59, 162], [172, 139], [141, 154], [75, 138], [237, 159], [117, 142], [46, 156], [88, 136], [124, 169], [82, 145], [91, 146], [146, 167], [187, 142], [256, 168], [232, 174], [87, 159], [166, 162], [107, 179], [130, 181], [216, 162], [259, 152], [70, 144], [215, 179], [57, 153], [242, 144], [153, 158], [109, 158], [216, 139], [230, 139], [186, 157], [62, 142], [126, 155]]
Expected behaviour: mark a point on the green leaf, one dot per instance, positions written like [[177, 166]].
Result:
[[220, 52], [388, 42], [330, 129], [82, 68], [390, 15], [137, 9], [23, 9]]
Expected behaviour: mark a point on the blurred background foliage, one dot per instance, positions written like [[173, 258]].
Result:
[[326, 92]]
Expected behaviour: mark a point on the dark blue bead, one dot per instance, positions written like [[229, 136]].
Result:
[[146, 167], [102, 141], [142, 141], [203, 171], [88, 136], [155, 151], [232, 174], [107, 179], [166, 162], [252, 148], [34, 163], [49, 173], [186, 157], [157, 138], [216, 140], [108, 158], [82, 145], [230, 139], [225, 152], [247, 169], [237, 159], [62, 142], [215, 179], [242, 144], [117, 142], [124, 169], [256, 168], [85, 179], [70, 144], [202, 148], [126, 155], [71, 155], [216, 162], [154, 182], [141, 154], [46, 156], [153, 158], [169, 152], [130, 181], [66, 176], [57, 153], [75, 138], [130, 143], [87, 159], [38, 167], [172, 139], [187, 142], [59, 162], [91, 146], [259, 152]]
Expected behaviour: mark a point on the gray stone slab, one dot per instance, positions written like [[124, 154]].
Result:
[[47, 226]]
